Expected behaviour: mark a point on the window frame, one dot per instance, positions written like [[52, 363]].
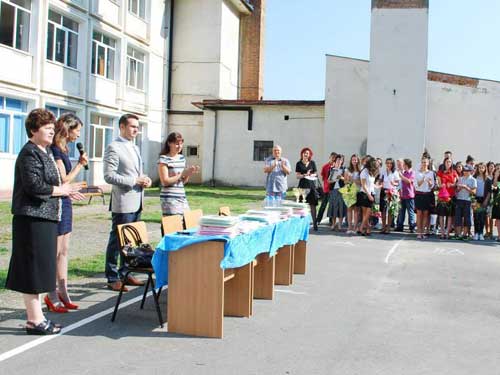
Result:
[[258, 149], [11, 131], [133, 58], [18, 8], [138, 13], [92, 134], [67, 32], [100, 43]]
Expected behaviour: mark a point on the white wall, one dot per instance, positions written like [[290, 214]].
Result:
[[234, 162], [398, 61], [465, 120], [346, 105], [230, 51]]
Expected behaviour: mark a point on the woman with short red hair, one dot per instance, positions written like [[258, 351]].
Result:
[[307, 173]]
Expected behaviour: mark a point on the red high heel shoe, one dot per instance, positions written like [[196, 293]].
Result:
[[68, 305], [52, 307]]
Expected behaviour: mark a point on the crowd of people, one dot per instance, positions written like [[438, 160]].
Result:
[[365, 193]]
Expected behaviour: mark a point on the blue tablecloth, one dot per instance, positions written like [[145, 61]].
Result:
[[239, 250]]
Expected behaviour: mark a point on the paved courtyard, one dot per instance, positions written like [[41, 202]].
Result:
[[378, 305]]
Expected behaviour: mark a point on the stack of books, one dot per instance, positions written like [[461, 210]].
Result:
[[264, 216], [213, 225], [299, 209], [285, 212]]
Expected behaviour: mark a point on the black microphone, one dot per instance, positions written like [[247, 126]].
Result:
[[79, 146]]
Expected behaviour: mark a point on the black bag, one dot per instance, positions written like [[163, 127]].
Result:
[[139, 255]]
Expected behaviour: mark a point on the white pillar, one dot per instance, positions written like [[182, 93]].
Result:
[[397, 95]]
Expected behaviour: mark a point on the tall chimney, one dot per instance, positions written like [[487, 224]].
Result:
[[252, 53]]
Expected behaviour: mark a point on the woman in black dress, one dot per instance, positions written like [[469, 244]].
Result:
[[36, 210], [67, 130], [307, 172]]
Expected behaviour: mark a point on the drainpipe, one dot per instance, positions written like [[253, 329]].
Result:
[[170, 53], [216, 108]]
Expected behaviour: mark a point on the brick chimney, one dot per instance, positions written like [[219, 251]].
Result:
[[252, 53]]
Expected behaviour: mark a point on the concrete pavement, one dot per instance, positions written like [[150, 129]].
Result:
[[377, 305]]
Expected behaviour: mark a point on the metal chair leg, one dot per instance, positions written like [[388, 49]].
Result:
[[119, 297], [146, 287], [156, 297]]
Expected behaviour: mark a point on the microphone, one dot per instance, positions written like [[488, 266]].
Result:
[[79, 146]]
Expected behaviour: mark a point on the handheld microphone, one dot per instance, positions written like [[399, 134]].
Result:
[[79, 146]]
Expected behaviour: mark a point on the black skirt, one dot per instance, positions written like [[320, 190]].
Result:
[[32, 268], [424, 201], [362, 200]]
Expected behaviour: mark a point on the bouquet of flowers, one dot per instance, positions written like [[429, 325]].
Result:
[[393, 202], [349, 193], [496, 198], [376, 211]]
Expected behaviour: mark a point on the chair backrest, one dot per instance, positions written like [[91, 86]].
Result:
[[171, 224], [191, 218], [141, 228], [224, 211]]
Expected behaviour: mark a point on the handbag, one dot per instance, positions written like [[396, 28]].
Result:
[[139, 255]]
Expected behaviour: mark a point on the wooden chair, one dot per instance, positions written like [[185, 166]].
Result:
[[140, 226], [92, 191], [224, 211], [171, 224], [192, 218]]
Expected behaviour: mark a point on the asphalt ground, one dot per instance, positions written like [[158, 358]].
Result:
[[367, 305]]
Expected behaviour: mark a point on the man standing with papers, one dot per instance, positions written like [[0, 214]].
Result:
[[277, 169]]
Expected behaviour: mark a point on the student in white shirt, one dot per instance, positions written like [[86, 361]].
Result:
[[366, 195], [390, 182], [424, 196]]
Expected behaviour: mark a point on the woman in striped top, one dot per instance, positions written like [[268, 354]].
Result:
[[173, 176]]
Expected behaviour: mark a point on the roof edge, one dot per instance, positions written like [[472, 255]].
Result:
[[221, 103]]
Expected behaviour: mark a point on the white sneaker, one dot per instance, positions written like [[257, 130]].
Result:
[[481, 237], [476, 237]]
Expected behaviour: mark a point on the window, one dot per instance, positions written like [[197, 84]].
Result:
[[101, 134], [140, 137], [192, 151], [103, 55], [135, 68], [58, 111], [15, 23], [13, 136], [262, 150], [62, 39], [138, 8]]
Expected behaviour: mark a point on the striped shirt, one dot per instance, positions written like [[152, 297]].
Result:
[[173, 197]]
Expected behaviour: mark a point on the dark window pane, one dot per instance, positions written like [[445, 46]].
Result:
[[72, 49], [142, 9], [60, 45], [22, 3], [94, 53], [111, 64], [262, 150], [54, 17], [140, 76], [22, 30], [101, 60], [70, 24], [52, 109], [99, 135], [50, 42], [7, 24]]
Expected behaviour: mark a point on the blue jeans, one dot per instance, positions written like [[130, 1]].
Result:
[[113, 249], [407, 205]]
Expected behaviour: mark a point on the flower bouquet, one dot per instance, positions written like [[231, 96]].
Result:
[[393, 202], [349, 193], [376, 211], [444, 200]]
